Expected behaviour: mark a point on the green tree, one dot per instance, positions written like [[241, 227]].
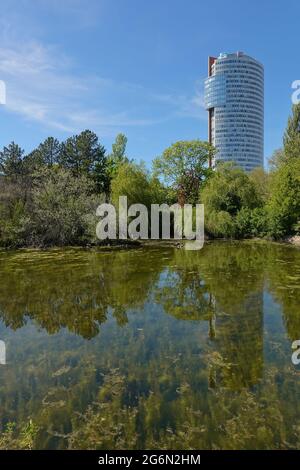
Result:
[[283, 208], [15, 221], [291, 138], [277, 159], [63, 208], [119, 149], [11, 161], [132, 180], [184, 165], [261, 180], [117, 156], [84, 155], [48, 153], [225, 194]]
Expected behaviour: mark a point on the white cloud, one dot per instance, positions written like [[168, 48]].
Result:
[[42, 87]]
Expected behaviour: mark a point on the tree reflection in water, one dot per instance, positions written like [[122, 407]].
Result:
[[150, 348]]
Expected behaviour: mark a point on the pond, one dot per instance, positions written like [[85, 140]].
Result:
[[151, 348]]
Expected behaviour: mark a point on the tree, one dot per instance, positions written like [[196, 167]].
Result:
[[230, 189], [228, 192], [119, 148], [63, 208], [48, 153], [291, 138], [184, 165], [261, 180], [277, 159], [283, 208], [117, 156], [84, 155], [11, 161], [131, 180]]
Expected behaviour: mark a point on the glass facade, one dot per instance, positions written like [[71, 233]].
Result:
[[234, 97]]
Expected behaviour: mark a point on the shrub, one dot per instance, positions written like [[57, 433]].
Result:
[[62, 208]]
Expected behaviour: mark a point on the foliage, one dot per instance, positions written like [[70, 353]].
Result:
[[11, 161], [259, 222], [184, 166], [49, 196], [14, 217], [118, 155], [283, 207], [277, 159], [15, 226], [228, 197], [291, 138], [133, 181], [48, 153], [261, 181], [84, 155], [62, 206]]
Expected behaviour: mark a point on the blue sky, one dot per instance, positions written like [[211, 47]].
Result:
[[136, 66]]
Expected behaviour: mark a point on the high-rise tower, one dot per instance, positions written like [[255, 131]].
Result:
[[234, 98]]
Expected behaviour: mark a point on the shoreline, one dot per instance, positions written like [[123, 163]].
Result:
[[134, 244]]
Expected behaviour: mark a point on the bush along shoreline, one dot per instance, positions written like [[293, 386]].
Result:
[[48, 198]]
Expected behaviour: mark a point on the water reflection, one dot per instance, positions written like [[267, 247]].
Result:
[[74, 290], [154, 347]]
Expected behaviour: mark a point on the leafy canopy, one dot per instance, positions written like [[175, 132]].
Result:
[[291, 138], [184, 165]]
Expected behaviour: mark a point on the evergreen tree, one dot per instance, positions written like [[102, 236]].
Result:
[[47, 154], [84, 155], [49, 151], [11, 161]]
